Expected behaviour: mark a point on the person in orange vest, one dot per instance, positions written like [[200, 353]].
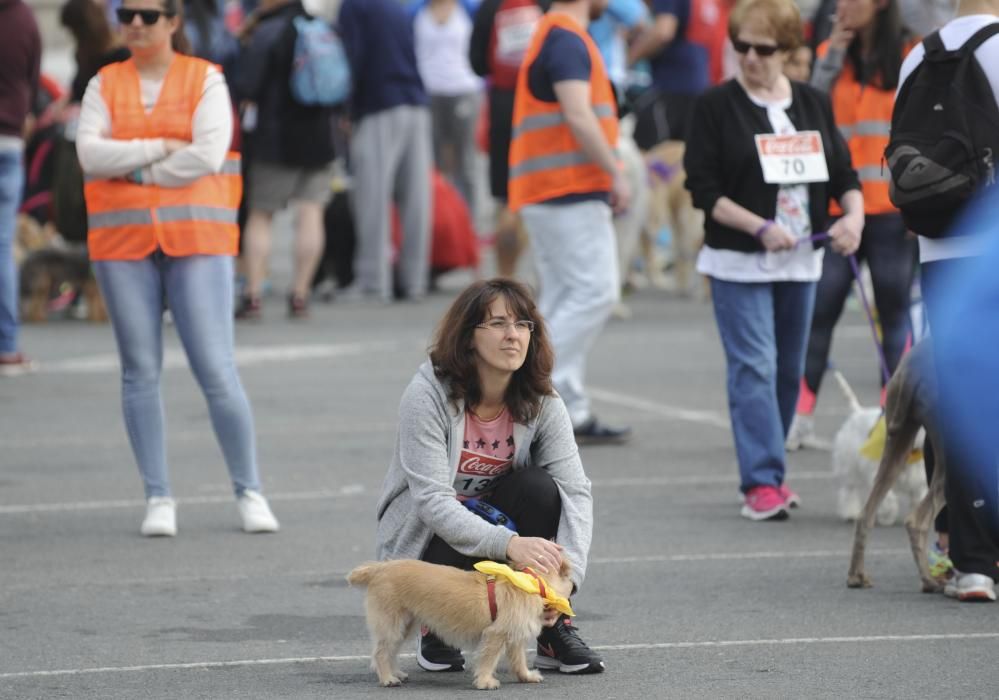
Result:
[[162, 193], [859, 66], [565, 182]]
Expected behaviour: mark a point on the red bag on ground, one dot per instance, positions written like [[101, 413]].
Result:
[[453, 240]]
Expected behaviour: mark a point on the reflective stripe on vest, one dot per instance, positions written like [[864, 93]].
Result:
[[120, 217], [873, 173], [536, 122], [865, 128]]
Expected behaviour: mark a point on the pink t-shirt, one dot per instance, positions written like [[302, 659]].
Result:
[[486, 454]]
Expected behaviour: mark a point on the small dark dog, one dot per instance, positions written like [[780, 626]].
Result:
[[911, 403], [52, 279]]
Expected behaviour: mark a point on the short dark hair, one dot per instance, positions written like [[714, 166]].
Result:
[[454, 362]]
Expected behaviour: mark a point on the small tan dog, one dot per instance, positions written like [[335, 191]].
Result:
[[405, 593]]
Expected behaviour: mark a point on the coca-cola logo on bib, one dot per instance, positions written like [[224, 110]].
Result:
[[481, 465]]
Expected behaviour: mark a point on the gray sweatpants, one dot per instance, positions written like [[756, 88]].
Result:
[[391, 160], [576, 259]]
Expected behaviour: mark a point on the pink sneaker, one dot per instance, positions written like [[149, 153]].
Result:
[[764, 503], [792, 499]]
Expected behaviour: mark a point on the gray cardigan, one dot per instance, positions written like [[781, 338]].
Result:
[[418, 497]]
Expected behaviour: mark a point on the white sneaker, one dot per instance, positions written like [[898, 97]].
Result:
[[256, 514], [801, 433], [968, 587], [161, 517]]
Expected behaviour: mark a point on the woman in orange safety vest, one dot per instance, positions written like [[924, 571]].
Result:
[[858, 66], [162, 193]]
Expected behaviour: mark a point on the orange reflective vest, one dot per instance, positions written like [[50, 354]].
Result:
[[863, 115], [546, 161], [129, 221]]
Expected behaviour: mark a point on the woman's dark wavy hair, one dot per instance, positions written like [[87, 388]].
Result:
[[454, 360], [890, 40]]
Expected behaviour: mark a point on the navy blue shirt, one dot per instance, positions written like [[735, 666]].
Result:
[[563, 56], [378, 38], [682, 67]]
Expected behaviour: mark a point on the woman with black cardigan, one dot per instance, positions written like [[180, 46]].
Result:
[[759, 252]]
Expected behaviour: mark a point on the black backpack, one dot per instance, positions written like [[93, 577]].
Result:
[[944, 135]]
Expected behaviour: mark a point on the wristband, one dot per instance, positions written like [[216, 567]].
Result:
[[763, 229]]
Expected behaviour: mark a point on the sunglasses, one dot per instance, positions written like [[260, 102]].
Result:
[[762, 50], [148, 17]]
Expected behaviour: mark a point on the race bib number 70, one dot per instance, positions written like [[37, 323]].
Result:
[[792, 159]]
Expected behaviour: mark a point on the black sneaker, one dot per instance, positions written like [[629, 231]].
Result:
[[432, 654], [593, 432], [561, 649]]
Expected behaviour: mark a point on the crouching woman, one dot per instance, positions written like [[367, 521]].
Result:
[[480, 420]]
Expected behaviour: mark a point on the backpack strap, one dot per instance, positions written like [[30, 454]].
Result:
[[933, 44], [980, 37]]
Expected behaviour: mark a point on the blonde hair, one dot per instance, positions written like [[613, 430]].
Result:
[[782, 17]]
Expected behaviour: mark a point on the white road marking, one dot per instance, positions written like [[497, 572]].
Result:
[[712, 418], [330, 574], [707, 644], [355, 489], [698, 479], [324, 427], [247, 356], [318, 494]]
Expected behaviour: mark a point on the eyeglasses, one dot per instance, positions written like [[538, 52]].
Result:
[[762, 50], [500, 326], [149, 17]]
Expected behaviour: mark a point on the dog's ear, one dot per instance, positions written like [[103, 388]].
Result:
[[565, 569]]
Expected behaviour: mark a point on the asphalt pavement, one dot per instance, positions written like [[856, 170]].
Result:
[[682, 597]]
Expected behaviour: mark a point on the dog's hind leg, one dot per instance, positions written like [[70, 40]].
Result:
[[901, 427], [897, 446], [490, 650], [917, 525], [517, 657], [388, 633]]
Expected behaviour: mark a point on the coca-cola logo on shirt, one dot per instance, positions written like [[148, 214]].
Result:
[[482, 465]]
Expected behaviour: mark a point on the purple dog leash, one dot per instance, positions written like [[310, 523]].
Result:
[[886, 375]]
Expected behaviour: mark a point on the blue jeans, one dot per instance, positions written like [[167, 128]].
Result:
[[199, 292], [11, 185], [763, 328]]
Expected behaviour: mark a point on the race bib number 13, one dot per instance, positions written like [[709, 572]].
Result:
[[792, 159]]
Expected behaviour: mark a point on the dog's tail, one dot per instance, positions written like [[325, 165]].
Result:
[[847, 391], [362, 575]]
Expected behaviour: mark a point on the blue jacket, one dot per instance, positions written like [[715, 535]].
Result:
[[378, 37]]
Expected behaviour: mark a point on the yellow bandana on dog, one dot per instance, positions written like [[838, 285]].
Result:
[[532, 583], [874, 446]]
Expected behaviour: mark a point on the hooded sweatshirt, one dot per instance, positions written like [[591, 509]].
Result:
[[20, 66], [418, 498]]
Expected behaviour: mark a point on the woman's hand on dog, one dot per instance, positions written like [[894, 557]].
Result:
[[535, 552]]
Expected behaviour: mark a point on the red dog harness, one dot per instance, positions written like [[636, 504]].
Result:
[[491, 590]]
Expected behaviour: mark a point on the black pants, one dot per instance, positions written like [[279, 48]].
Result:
[[891, 256], [531, 499]]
